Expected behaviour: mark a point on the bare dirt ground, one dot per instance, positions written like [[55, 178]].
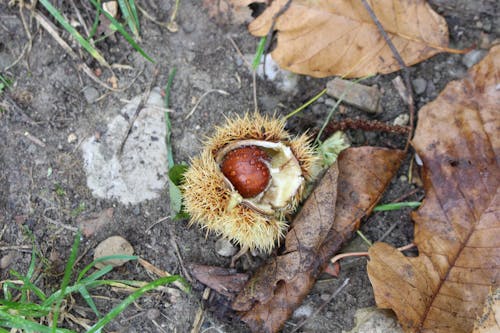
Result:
[[44, 195]]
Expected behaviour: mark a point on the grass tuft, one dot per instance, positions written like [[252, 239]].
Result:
[[26, 307]]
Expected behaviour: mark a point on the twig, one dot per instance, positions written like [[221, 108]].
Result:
[[322, 306], [138, 109], [157, 222], [32, 138], [365, 254], [406, 72], [80, 18], [201, 98], [161, 273], [200, 314], [12, 247], [239, 53], [179, 257], [254, 83]]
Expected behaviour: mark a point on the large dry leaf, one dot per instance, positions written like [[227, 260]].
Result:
[[324, 37], [328, 219], [457, 229]]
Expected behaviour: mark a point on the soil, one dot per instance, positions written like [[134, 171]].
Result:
[[44, 196]]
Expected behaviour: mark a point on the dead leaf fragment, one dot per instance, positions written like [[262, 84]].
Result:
[[225, 281], [230, 11], [457, 227], [324, 37], [330, 216], [92, 225]]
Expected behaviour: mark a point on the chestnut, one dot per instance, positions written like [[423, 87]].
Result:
[[250, 174]]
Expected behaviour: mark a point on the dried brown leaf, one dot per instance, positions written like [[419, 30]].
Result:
[[225, 281], [324, 37], [458, 226], [329, 218]]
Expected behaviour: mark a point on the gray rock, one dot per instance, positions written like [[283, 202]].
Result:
[[91, 94], [473, 57], [419, 85], [140, 172]]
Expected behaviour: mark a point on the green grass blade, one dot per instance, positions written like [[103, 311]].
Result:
[[86, 296], [92, 264], [396, 206], [131, 298], [28, 286], [66, 278], [95, 25], [16, 321], [94, 276], [133, 10], [259, 53], [79, 38], [305, 105], [124, 33], [26, 309], [128, 16]]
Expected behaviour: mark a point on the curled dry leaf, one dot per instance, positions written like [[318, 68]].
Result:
[[324, 37], [329, 217], [458, 226]]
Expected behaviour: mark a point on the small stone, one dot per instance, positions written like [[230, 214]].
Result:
[[224, 248], [402, 120], [366, 98], [153, 314], [330, 102], [136, 211], [419, 85], [72, 137], [473, 57], [303, 311], [114, 245], [6, 260], [431, 89], [91, 94]]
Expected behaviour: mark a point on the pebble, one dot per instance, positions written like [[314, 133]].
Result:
[[6, 260], [473, 57], [431, 89], [91, 94], [72, 137], [303, 311], [136, 211], [224, 248], [113, 245], [153, 314], [419, 85], [330, 102], [402, 120]]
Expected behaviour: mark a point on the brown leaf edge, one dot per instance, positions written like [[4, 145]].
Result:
[[268, 300], [457, 227]]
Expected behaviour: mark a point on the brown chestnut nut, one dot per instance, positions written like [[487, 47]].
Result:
[[246, 169]]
